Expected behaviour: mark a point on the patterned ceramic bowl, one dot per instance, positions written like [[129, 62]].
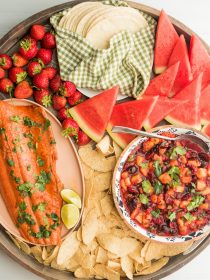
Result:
[[117, 193]]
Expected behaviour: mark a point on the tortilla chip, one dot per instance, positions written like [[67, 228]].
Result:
[[89, 227], [68, 248], [115, 265], [157, 265], [56, 266], [104, 146], [83, 273], [157, 250], [117, 150], [36, 251], [95, 159], [101, 256], [105, 272], [13, 239], [136, 254], [102, 181], [79, 234], [128, 245], [127, 266], [107, 205], [145, 248], [88, 190], [52, 255], [87, 171], [44, 253]]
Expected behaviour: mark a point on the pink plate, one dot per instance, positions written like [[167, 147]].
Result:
[[68, 169]]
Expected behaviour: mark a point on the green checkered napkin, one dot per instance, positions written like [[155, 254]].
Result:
[[126, 63]]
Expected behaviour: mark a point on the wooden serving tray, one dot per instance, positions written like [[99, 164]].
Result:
[[7, 44]]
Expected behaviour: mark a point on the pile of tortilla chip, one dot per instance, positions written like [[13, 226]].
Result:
[[103, 246]]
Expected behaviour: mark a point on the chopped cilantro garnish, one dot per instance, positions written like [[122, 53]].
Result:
[[41, 206], [17, 179], [158, 187], [146, 185], [25, 217], [29, 122], [10, 162], [22, 206], [31, 145], [16, 140], [25, 189], [47, 123], [144, 164], [179, 150], [158, 169], [14, 150], [29, 167], [131, 158], [15, 119], [40, 161], [156, 213], [189, 217], [174, 172], [52, 142], [143, 198], [43, 179], [172, 216], [54, 217], [2, 130], [195, 202], [28, 135]]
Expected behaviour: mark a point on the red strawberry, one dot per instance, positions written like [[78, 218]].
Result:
[[67, 89], [43, 97], [23, 90], [41, 80], [17, 74], [5, 61], [48, 42], [58, 102], [6, 85], [45, 55], [28, 47], [55, 83], [70, 128], [63, 114], [37, 32], [83, 139], [76, 98], [51, 72], [18, 60], [34, 68], [2, 73]]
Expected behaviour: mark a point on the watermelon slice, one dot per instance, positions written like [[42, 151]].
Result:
[[161, 109], [162, 84], [206, 129], [166, 38], [205, 106], [184, 75], [188, 114], [93, 114], [199, 60], [131, 114]]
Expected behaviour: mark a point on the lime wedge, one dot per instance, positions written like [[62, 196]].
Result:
[[70, 196], [69, 215]]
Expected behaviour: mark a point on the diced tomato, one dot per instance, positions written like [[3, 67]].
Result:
[[183, 159], [176, 202], [162, 151], [124, 175], [204, 206], [208, 170], [206, 191], [165, 178], [174, 162], [201, 173], [139, 217], [157, 157], [162, 205], [186, 179], [184, 203], [149, 144], [179, 189], [201, 185], [122, 184], [144, 171], [136, 179], [139, 160], [127, 181], [154, 198], [194, 162]]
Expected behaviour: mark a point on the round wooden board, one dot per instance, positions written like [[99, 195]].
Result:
[[6, 44]]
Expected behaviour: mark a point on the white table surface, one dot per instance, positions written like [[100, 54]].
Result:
[[194, 14]]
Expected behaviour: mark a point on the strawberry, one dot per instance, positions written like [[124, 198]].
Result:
[[18, 60], [63, 114], [70, 128], [6, 86], [45, 55], [43, 97], [17, 74], [51, 72], [83, 139], [34, 68], [28, 47], [48, 42], [23, 90], [58, 102], [2, 73], [67, 89], [41, 80], [76, 98], [55, 83], [37, 32], [5, 61]]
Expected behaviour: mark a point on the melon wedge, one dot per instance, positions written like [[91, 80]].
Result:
[[131, 114], [161, 109], [199, 60], [206, 129], [188, 114], [166, 38], [93, 114], [184, 75], [205, 105], [162, 84]]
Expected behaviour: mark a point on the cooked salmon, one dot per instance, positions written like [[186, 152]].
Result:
[[29, 184]]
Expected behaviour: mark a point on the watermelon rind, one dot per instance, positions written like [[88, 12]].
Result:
[[206, 129], [159, 70], [182, 124], [116, 137]]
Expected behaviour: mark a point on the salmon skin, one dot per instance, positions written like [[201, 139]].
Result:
[[29, 184]]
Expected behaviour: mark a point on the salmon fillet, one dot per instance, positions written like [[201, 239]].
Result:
[[29, 184]]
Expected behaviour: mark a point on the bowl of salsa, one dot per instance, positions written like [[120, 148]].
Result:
[[161, 188]]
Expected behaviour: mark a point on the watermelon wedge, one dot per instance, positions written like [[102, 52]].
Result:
[[131, 114], [206, 129], [199, 60], [161, 109], [205, 106], [162, 84], [188, 114], [184, 75], [166, 38], [93, 114]]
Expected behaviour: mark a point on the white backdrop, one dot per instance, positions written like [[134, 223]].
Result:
[[194, 14]]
